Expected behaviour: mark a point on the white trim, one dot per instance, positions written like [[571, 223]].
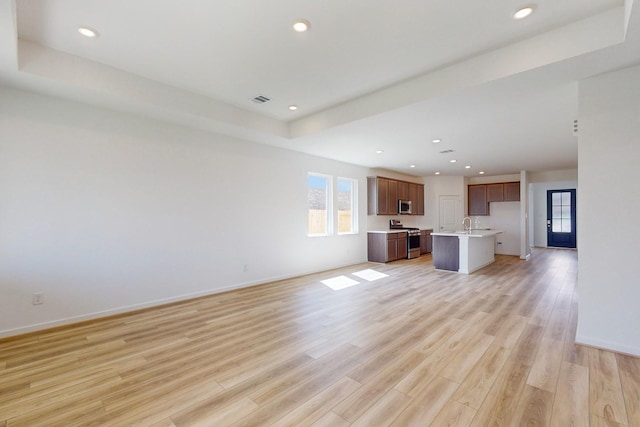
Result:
[[122, 310], [606, 345]]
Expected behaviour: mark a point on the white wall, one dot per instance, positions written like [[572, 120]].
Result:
[[104, 212], [490, 179], [525, 202], [504, 216], [554, 175], [608, 208]]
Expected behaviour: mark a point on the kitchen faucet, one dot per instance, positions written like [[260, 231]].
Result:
[[465, 227]]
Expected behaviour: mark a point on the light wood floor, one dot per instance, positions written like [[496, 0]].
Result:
[[417, 348]]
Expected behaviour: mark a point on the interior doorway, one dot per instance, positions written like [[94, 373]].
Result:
[[450, 215], [561, 218]]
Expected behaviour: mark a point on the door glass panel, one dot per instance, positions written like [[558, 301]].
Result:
[[561, 218], [561, 212]]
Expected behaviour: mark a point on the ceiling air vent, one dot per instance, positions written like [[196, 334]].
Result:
[[260, 99], [446, 151]]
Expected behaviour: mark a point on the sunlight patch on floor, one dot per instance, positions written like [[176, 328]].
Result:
[[370, 275], [340, 282]]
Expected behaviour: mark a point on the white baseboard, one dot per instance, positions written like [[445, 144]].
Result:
[[606, 345], [147, 304], [110, 312]]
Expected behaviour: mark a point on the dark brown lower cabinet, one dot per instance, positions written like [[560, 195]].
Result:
[[385, 247], [425, 241], [446, 254]]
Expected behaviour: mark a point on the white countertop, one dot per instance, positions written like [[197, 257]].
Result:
[[393, 231], [466, 234]]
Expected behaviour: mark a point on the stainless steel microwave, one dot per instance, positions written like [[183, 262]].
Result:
[[404, 206]]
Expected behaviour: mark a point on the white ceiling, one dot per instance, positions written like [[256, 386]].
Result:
[[368, 75]]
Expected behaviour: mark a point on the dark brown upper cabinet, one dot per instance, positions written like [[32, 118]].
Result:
[[495, 193], [480, 195], [392, 205], [511, 191], [403, 190], [478, 204], [420, 208], [383, 195]]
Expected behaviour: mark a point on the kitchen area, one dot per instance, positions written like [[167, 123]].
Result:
[[398, 242], [388, 239], [402, 220]]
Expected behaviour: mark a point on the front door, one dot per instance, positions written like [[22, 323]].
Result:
[[561, 218]]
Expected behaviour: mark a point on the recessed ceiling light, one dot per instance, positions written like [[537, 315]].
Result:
[[436, 141], [452, 161], [379, 151], [481, 172], [412, 166], [523, 12], [88, 32], [301, 25], [437, 173], [293, 107], [468, 167]]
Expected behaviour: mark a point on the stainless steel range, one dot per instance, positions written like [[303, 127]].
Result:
[[413, 237]]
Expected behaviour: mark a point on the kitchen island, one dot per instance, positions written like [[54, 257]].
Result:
[[464, 251]]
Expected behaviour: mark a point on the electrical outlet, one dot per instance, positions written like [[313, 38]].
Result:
[[37, 299], [245, 267]]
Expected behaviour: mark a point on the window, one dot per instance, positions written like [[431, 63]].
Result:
[[347, 206], [561, 212], [320, 200], [319, 204]]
